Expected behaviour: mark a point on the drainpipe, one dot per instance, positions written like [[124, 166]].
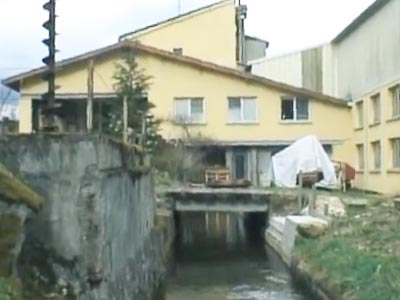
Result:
[[241, 14]]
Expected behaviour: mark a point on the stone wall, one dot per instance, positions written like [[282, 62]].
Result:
[[95, 236]]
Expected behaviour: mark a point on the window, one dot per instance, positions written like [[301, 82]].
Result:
[[360, 114], [396, 101], [242, 110], [189, 110], [376, 108], [360, 152], [240, 165], [396, 152], [295, 109], [376, 150]]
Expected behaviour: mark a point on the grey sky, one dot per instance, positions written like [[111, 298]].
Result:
[[88, 24]]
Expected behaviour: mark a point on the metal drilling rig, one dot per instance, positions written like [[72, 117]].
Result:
[[48, 98]]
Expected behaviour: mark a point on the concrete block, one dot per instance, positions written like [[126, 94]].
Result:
[[290, 231]]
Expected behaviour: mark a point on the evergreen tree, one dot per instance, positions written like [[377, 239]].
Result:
[[132, 83]]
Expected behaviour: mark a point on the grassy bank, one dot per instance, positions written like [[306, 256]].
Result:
[[360, 258]]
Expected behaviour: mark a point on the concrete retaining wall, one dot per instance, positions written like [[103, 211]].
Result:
[[95, 237]]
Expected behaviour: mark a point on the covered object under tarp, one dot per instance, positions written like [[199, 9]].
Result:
[[306, 155]]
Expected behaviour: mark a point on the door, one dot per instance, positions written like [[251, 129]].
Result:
[[240, 165], [263, 164]]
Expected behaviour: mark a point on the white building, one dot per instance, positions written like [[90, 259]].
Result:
[[363, 57], [362, 65]]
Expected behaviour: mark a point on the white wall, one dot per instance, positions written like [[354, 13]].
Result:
[[329, 71], [366, 59], [287, 69], [370, 56]]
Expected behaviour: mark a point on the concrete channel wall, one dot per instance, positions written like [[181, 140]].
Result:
[[95, 238]]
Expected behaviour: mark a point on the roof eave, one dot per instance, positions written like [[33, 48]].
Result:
[[176, 18], [258, 39], [15, 80], [11, 83]]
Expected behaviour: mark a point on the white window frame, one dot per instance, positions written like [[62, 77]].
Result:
[[396, 101], [189, 101], [242, 120], [295, 120], [377, 155], [395, 144]]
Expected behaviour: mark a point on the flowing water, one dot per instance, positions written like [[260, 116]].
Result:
[[222, 256]]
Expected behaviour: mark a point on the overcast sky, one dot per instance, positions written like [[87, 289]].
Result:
[[88, 24]]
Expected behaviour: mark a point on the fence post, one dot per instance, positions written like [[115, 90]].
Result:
[[89, 105], [312, 200], [300, 194], [125, 119]]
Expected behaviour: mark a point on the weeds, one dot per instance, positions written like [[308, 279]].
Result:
[[361, 256]]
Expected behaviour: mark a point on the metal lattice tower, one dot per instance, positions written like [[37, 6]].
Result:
[[50, 61]]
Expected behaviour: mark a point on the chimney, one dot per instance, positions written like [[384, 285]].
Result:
[[178, 51]]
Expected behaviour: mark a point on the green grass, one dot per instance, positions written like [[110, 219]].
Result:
[[13, 189], [361, 256]]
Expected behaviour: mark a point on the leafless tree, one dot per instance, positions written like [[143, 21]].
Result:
[[5, 97], [181, 158]]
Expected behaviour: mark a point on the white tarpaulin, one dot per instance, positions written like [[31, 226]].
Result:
[[305, 155]]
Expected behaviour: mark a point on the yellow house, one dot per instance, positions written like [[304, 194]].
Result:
[[245, 118], [208, 33], [377, 139]]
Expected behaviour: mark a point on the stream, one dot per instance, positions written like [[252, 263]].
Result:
[[222, 256]]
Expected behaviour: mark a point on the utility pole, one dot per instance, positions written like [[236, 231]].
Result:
[[90, 98], [50, 61]]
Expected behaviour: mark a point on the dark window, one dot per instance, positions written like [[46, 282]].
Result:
[[287, 109], [295, 109]]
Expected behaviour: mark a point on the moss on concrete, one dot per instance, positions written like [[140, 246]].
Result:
[[360, 258], [10, 289], [13, 189], [10, 233]]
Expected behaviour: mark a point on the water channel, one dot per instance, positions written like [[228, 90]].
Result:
[[222, 256]]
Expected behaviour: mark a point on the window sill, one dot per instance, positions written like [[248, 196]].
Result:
[[244, 123], [294, 122], [359, 128], [394, 171], [374, 124], [360, 171], [392, 119], [190, 124], [375, 172]]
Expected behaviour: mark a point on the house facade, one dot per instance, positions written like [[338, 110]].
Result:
[[245, 118], [360, 65]]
